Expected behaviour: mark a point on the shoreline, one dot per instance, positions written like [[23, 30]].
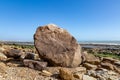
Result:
[[102, 46], [80, 42], [83, 44]]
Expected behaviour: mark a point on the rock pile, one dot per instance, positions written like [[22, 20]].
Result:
[[56, 48]]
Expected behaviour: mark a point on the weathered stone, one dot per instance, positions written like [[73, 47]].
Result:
[[12, 64], [87, 77], [117, 69], [99, 74], [107, 66], [104, 74], [2, 56], [36, 56], [90, 66], [28, 56], [2, 49], [78, 76], [3, 68], [53, 70], [46, 73], [117, 63], [90, 58], [79, 69], [56, 46], [111, 73], [35, 64], [14, 53], [65, 74], [78, 72], [108, 60]]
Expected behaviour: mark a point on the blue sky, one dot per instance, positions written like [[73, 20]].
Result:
[[84, 19]]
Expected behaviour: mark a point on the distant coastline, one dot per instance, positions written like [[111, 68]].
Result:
[[18, 42], [100, 42], [102, 45]]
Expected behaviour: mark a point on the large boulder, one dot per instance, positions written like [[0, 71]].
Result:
[[56, 46]]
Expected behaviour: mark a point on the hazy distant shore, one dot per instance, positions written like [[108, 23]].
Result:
[[80, 42], [84, 44], [17, 42], [101, 44]]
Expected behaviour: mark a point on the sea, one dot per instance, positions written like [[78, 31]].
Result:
[[80, 42], [100, 42]]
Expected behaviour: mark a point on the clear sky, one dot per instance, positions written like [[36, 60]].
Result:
[[84, 19]]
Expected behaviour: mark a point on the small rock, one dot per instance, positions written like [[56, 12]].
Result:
[[12, 64], [2, 49], [35, 64], [36, 57], [90, 66], [117, 63], [78, 75], [79, 69], [117, 69], [46, 73], [90, 58], [87, 77], [2, 56], [111, 73], [53, 70], [78, 72], [28, 56], [108, 60], [3, 67], [14, 53], [103, 74], [107, 66], [65, 74]]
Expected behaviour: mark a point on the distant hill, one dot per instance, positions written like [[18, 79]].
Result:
[[17, 42]]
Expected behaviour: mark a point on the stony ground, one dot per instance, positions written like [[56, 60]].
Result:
[[22, 73], [14, 70], [92, 68]]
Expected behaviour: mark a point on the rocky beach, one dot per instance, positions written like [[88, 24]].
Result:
[[56, 55]]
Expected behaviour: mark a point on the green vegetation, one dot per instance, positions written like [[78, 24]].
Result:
[[23, 46], [114, 56]]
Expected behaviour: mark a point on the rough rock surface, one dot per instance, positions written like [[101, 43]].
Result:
[[104, 74], [89, 66], [28, 56], [35, 64], [2, 56], [23, 73], [56, 46], [65, 74], [90, 58], [107, 66], [86, 77], [14, 53], [3, 67]]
